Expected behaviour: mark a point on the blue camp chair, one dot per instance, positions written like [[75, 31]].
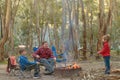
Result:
[[35, 49], [59, 57]]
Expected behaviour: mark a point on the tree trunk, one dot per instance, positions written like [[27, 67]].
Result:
[[1, 33], [56, 37], [6, 29], [101, 25], [109, 17], [36, 4], [49, 35], [71, 37], [76, 28], [84, 31], [91, 43], [14, 12], [44, 32], [63, 21], [91, 34]]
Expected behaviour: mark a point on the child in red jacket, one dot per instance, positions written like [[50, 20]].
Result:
[[105, 52]]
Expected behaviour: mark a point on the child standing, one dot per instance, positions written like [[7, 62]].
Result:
[[105, 52]]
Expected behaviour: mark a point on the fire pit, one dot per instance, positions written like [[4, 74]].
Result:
[[68, 71]]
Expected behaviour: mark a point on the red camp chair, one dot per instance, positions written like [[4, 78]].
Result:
[[12, 65]]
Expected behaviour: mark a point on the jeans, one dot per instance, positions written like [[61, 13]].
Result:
[[107, 64], [48, 63], [37, 70], [35, 67]]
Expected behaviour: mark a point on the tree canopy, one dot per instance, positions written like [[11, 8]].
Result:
[[81, 23]]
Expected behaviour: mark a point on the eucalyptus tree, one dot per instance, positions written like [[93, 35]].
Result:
[[6, 27]]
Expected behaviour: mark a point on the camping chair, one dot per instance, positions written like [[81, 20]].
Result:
[[60, 58], [35, 49], [26, 72], [12, 66]]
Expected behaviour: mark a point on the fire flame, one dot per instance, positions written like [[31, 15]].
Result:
[[74, 66]]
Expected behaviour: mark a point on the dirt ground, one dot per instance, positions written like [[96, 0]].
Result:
[[91, 70]]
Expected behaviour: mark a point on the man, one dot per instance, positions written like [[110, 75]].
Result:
[[45, 56]]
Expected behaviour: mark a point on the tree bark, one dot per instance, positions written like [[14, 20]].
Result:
[[91, 34], [6, 29], [76, 27], [101, 25], [36, 3], [13, 14], [84, 31], [1, 33], [71, 36], [63, 21], [109, 17]]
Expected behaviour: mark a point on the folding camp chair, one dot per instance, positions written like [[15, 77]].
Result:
[[26, 72], [12, 67], [35, 49], [60, 58]]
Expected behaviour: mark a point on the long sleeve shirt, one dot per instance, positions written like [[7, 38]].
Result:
[[105, 50], [44, 53], [24, 62]]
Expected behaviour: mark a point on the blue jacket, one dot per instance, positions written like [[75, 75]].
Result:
[[23, 62]]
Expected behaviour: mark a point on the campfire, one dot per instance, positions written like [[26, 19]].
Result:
[[69, 70], [73, 66]]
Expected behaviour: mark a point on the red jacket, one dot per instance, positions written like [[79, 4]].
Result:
[[105, 50], [44, 53]]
